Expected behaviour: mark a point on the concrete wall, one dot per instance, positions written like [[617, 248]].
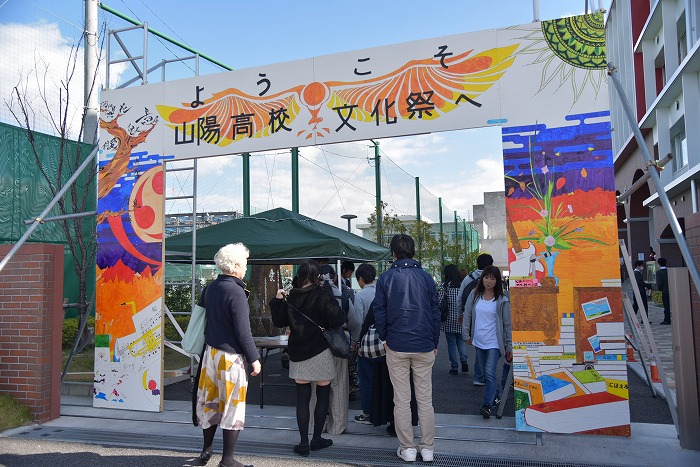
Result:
[[493, 214], [692, 233], [31, 320]]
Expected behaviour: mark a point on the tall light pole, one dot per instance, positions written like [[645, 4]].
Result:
[[349, 217]]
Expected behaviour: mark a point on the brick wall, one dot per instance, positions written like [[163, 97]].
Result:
[[692, 235], [31, 320]]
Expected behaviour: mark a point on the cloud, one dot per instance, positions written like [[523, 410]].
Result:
[[338, 179], [42, 59]]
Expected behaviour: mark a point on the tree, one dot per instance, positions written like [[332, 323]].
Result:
[[79, 231], [427, 247], [390, 226]]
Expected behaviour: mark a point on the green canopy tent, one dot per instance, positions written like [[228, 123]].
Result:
[[277, 236]]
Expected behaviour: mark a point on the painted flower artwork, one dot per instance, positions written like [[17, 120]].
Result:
[[555, 224]]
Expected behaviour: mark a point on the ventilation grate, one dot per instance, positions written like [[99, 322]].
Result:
[[346, 455]]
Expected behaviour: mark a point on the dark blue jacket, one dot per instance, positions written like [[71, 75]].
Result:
[[406, 311], [228, 317]]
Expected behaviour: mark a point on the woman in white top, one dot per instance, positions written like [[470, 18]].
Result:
[[487, 326]]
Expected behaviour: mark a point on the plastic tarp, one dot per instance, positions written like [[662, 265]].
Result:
[[277, 236]]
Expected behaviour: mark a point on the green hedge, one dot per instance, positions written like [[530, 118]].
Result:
[[656, 298], [70, 329], [171, 333]]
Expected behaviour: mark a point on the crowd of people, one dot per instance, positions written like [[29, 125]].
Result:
[[401, 309]]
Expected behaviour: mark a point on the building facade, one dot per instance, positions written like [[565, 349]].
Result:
[[491, 217], [486, 232], [654, 46]]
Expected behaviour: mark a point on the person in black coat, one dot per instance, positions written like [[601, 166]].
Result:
[[222, 378], [310, 359], [642, 285], [662, 285]]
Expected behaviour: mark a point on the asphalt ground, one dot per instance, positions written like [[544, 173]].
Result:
[[451, 394], [29, 453]]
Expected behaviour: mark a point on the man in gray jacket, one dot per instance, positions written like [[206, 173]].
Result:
[[407, 319]]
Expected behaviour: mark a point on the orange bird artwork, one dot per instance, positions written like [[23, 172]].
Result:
[[445, 83]]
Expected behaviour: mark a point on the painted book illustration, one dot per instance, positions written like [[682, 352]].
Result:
[[555, 388], [564, 374], [579, 414], [591, 379]]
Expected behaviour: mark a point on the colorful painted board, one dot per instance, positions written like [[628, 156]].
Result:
[[543, 83]]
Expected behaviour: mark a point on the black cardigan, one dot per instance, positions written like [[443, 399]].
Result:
[[228, 317], [305, 339]]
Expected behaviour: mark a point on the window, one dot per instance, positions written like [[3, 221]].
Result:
[[682, 48], [680, 151]]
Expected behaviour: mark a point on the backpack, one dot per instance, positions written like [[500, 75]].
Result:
[[468, 289], [444, 306]]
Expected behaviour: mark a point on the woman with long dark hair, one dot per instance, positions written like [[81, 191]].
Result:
[[487, 326], [310, 359], [452, 326]]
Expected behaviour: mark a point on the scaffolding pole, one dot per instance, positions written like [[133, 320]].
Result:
[[660, 191], [39, 219]]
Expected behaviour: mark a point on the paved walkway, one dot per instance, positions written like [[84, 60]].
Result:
[[664, 342], [84, 435], [271, 432]]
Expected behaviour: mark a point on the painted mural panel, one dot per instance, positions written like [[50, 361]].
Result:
[[543, 83], [569, 359], [129, 312], [461, 81]]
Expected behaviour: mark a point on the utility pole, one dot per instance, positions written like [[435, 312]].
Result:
[[442, 237], [456, 259], [535, 11], [91, 55], [418, 226]]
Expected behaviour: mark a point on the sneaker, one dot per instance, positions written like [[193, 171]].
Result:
[[496, 401], [465, 367], [363, 418], [426, 454], [407, 454], [454, 372], [485, 411], [479, 383]]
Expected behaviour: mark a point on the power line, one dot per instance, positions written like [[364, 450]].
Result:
[[159, 39], [164, 23], [50, 13]]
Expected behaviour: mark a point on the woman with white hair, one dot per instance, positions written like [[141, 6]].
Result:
[[221, 395]]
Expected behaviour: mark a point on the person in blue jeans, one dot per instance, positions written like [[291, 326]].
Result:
[[365, 275], [483, 260], [452, 326], [487, 326]]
